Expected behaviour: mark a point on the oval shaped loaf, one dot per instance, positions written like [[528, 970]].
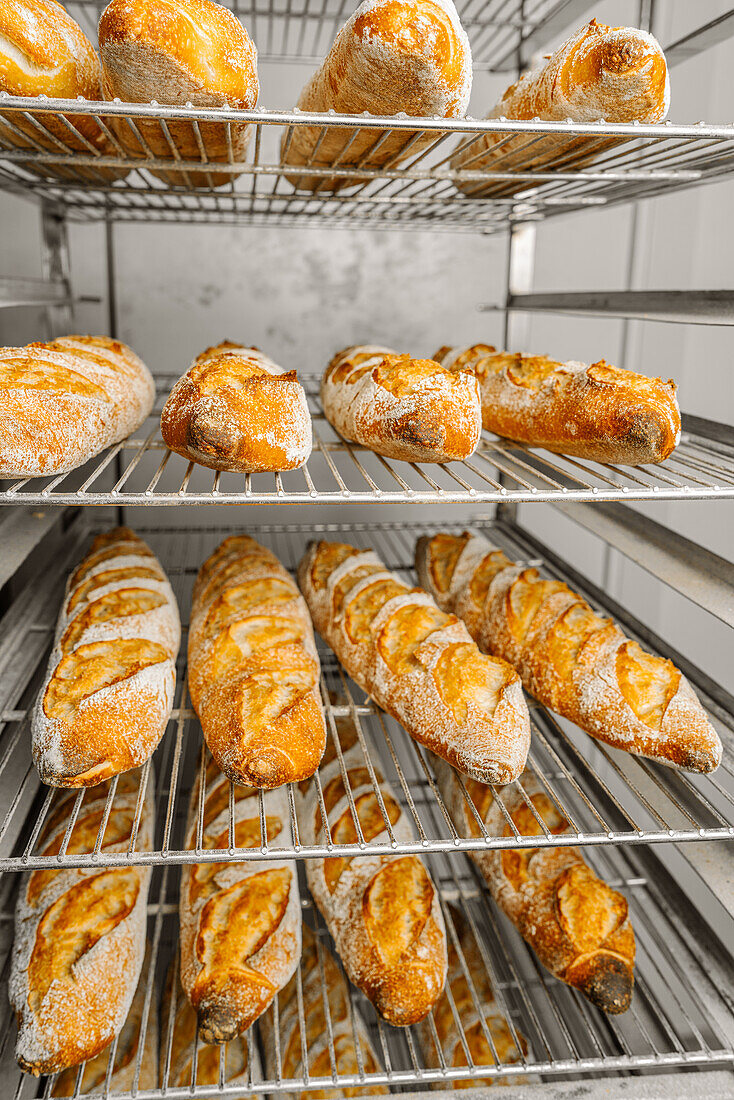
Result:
[[253, 667], [411, 409], [417, 662], [382, 910], [235, 409], [80, 934], [64, 402], [240, 921], [111, 676]]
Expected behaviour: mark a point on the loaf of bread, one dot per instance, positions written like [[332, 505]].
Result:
[[108, 692], [412, 409], [80, 935], [417, 662], [44, 52], [382, 910], [599, 74], [392, 56], [253, 667], [486, 1030], [571, 659], [240, 921], [235, 409], [64, 402], [182, 1029], [595, 411], [193, 52], [321, 980], [126, 1054], [577, 925]]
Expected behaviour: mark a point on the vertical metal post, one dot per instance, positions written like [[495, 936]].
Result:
[[112, 325], [520, 271], [59, 317]]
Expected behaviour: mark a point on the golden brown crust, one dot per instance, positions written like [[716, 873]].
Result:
[[253, 668], [192, 51], [390, 57], [381, 910], [570, 658], [234, 409], [412, 409], [595, 411], [418, 663], [600, 73], [240, 921], [111, 676]]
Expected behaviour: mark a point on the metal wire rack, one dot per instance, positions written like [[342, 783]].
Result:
[[418, 192], [142, 471], [678, 1016], [609, 798]]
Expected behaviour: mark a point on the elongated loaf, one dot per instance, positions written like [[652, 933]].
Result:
[[80, 936], [595, 411], [191, 52], [111, 676], [392, 56], [321, 980], [577, 925], [573, 661], [241, 921], [235, 409], [126, 1054], [44, 52], [417, 662], [599, 74], [182, 1029], [382, 911], [253, 667], [486, 1030], [64, 402], [400, 407]]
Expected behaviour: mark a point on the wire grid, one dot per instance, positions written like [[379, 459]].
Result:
[[142, 471], [680, 1013], [302, 31], [417, 192], [609, 798]]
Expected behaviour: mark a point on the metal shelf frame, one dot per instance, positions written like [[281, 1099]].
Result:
[[142, 471], [609, 798]]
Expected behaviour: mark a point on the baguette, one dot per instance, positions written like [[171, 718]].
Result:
[[111, 676], [80, 936], [183, 1043], [391, 57], [64, 402], [418, 663], [382, 911], [254, 669], [126, 1054], [343, 1024], [577, 925], [570, 659], [240, 921], [412, 409], [599, 74], [485, 1028], [194, 53], [594, 411], [235, 409], [43, 52]]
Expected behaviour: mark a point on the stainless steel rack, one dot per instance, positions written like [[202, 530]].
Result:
[[420, 192], [142, 471], [608, 797]]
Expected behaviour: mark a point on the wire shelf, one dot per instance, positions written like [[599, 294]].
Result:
[[608, 797], [420, 192], [142, 471], [679, 1014]]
